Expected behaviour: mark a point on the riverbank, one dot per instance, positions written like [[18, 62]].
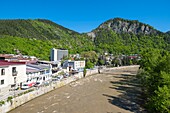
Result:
[[18, 101]]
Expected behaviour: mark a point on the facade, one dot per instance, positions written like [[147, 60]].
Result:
[[56, 65], [12, 75], [74, 65], [38, 73], [58, 54], [18, 58]]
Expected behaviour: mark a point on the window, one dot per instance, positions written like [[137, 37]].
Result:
[[47, 71], [3, 72], [14, 69], [2, 82], [42, 72]]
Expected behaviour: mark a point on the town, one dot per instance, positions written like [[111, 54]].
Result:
[[20, 73]]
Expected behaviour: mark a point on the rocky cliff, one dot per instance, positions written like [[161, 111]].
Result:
[[119, 25]]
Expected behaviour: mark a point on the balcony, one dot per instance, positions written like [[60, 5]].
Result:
[[14, 73]]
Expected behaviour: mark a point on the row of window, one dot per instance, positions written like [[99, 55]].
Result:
[[3, 70]]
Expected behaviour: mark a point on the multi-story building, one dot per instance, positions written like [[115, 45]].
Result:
[[74, 65], [12, 74], [58, 54], [56, 65], [38, 72]]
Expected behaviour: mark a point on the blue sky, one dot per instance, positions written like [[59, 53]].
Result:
[[85, 15]]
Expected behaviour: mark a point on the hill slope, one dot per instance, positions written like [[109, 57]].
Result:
[[168, 32], [117, 36], [119, 25], [37, 37], [39, 29], [127, 36]]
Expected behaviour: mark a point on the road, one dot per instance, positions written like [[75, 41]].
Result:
[[114, 91]]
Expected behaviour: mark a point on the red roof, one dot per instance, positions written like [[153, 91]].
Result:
[[6, 63]]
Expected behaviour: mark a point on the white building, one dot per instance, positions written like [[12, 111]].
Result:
[[56, 65], [74, 65], [38, 72], [11, 74], [58, 54]]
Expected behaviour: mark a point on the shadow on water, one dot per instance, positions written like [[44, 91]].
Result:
[[130, 93]]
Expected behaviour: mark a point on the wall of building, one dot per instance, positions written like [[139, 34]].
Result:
[[21, 76], [53, 54], [61, 54], [4, 77], [9, 78], [79, 64], [57, 54]]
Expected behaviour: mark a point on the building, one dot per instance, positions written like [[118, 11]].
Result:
[[12, 75], [58, 54], [56, 65], [18, 58], [74, 65], [38, 72]]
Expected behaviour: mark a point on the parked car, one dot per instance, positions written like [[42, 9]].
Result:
[[27, 85], [55, 79], [58, 78], [66, 75], [37, 84]]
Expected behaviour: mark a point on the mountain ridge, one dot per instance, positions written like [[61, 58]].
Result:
[[36, 37], [120, 25], [37, 28]]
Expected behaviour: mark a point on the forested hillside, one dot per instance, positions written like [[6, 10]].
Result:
[[37, 37], [39, 29], [120, 36], [116, 36]]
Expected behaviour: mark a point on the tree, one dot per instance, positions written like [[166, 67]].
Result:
[[89, 65], [101, 62], [155, 80], [91, 58]]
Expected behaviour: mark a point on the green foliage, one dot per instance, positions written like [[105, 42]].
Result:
[[2, 102], [37, 37], [89, 64], [90, 55], [40, 48], [160, 101], [84, 72], [116, 62], [101, 62], [91, 58], [9, 99], [108, 40], [154, 77]]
